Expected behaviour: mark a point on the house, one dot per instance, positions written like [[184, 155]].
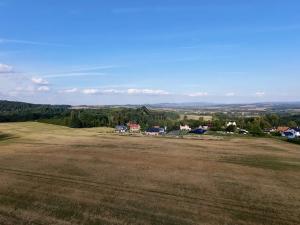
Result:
[[134, 127], [155, 131], [231, 123], [297, 131], [243, 131], [282, 129], [290, 133], [120, 129], [198, 131], [204, 127], [185, 127]]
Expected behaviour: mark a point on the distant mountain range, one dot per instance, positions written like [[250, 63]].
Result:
[[264, 106]]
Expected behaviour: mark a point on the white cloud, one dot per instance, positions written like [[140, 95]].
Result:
[[230, 94], [112, 91], [260, 94], [90, 91], [147, 91], [4, 68], [131, 91], [39, 81], [72, 90], [43, 88], [26, 42], [198, 94]]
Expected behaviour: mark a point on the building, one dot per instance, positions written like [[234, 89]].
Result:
[[282, 129], [134, 127], [243, 131], [155, 131], [290, 133], [120, 129], [204, 127], [185, 127], [231, 123], [297, 130], [198, 131]]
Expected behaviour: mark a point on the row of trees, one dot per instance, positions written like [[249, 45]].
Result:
[[111, 117], [256, 125]]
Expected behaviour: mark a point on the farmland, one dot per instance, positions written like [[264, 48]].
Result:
[[58, 175]]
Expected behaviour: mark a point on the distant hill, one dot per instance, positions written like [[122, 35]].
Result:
[[11, 106], [19, 111]]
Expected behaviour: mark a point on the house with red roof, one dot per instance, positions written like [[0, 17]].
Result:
[[134, 127]]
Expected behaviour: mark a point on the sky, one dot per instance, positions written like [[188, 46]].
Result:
[[149, 51]]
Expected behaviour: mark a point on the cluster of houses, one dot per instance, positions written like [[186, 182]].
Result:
[[156, 130], [290, 133], [136, 128], [131, 127]]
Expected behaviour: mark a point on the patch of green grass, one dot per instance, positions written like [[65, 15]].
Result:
[[4, 136], [266, 162]]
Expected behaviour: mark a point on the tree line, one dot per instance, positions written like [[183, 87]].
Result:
[[79, 118]]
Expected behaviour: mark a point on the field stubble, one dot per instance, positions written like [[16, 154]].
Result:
[[57, 175]]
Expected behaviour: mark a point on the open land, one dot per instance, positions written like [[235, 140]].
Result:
[[57, 175]]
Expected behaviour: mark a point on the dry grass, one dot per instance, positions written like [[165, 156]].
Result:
[[57, 175], [196, 117]]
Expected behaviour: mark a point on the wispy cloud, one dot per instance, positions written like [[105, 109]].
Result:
[[26, 42], [71, 90], [211, 46], [74, 74], [230, 94], [90, 91], [81, 71], [130, 91], [260, 94], [4, 68], [147, 91], [39, 81], [198, 94], [43, 88]]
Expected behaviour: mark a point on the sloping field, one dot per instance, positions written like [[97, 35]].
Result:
[[57, 175]]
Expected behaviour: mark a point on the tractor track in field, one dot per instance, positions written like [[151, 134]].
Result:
[[214, 203]]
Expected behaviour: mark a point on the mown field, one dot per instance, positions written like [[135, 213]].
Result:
[[58, 175]]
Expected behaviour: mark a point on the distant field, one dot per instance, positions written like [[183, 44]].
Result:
[[196, 117], [58, 175]]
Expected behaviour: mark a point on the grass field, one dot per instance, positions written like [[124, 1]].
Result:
[[196, 117], [58, 175]]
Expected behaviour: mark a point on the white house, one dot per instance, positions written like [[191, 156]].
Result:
[[290, 133], [231, 123], [185, 127], [297, 132]]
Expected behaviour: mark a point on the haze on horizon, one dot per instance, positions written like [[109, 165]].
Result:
[[138, 52]]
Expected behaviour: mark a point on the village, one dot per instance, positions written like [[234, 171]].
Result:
[[230, 128]]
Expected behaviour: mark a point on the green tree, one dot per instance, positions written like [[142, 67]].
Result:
[[74, 120], [292, 124]]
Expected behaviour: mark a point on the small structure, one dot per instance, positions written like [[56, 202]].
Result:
[[155, 131], [282, 129], [134, 127], [204, 127], [198, 131], [231, 123], [243, 131], [297, 131], [120, 129], [185, 127], [290, 133]]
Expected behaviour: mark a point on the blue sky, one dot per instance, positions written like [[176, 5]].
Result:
[[120, 52]]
